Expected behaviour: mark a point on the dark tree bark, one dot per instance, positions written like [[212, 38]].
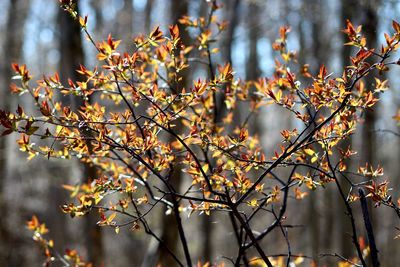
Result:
[[370, 25], [124, 27], [147, 19], [369, 229], [319, 54], [72, 55], [370, 21], [253, 71], [97, 6], [253, 31], [348, 8], [233, 18], [12, 49], [170, 224]]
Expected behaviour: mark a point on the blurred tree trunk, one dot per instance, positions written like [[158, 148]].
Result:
[[232, 17], [207, 226], [318, 55], [393, 252], [370, 25], [346, 248], [72, 55], [124, 27], [252, 66], [128, 5], [12, 45], [253, 71], [370, 21], [169, 231], [147, 21], [97, 6]]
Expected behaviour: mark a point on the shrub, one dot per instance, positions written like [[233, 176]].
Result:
[[156, 139]]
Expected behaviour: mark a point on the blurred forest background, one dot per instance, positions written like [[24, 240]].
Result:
[[40, 34]]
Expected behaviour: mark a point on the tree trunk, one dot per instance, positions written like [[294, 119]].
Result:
[[233, 18], [170, 234], [368, 134], [253, 71], [12, 45], [72, 55], [368, 149], [345, 245], [124, 27], [97, 6], [147, 21], [318, 55]]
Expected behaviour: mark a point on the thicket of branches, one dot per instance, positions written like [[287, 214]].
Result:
[[155, 139]]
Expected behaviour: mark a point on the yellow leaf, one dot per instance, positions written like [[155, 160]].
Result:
[[214, 50], [314, 159], [205, 168], [253, 203], [278, 95], [83, 21], [111, 217], [309, 151], [216, 153]]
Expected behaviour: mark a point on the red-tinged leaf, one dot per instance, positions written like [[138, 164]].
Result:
[[396, 26], [174, 31], [322, 72], [290, 78], [20, 111], [243, 134], [283, 31], [270, 93], [364, 54], [6, 132], [109, 40], [45, 109], [389, 40], [33, 223], [6, 123], [15, 89], [361, 241], [28, 125], [15, 66], [349, 28], [155, 36]]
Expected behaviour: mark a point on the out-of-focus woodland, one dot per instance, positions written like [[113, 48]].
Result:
[[41, 35]]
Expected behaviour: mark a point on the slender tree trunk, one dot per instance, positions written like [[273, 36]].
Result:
[[148, 9], [12, 45], [97, 5], [170, 234], [232, 8], [368, 149], [346, 247], [233, 18], [319, 54], [124, 27], [72, 55], [253, 71], [128, 5], [252, 65]]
